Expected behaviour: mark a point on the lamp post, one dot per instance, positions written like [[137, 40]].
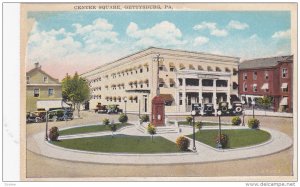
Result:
[[219, 145], [193, 113], [125, 101], [46, 133], [243, 123], [158, 59], [253, 103]]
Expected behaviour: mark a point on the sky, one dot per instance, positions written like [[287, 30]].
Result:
[[65, 42]]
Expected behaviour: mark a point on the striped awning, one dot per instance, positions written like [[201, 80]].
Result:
[[171, 64], [172, 80], [181, 66], [161, 80], [284, 85], [283, 101], [265, 86], [146, 81]]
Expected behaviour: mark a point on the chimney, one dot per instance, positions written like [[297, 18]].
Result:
[[36, 65]]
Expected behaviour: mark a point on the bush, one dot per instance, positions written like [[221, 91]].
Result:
[[183, 143], [253, 123], [151, 130], [199, 125], [106, 121], [145, 118], [236, 120], [189, 119], [123, 118], [53, 134], [224, 140]]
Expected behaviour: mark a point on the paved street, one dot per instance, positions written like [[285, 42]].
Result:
[[276, 164]]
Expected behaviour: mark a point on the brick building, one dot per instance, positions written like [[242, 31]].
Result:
[[268, 77]]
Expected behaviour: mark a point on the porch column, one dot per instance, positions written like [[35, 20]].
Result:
[[200, 91], [228, 93], [214, 101], [184, 94]]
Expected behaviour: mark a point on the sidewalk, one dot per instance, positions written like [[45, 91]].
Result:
[[278, 142]]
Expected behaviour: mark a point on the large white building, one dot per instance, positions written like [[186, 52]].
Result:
[[183, 78]]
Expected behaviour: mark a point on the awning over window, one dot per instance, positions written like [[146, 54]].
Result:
[[265, 86], [284, 85], [161, 80], [181, 66], [171, 64], [283, 101], [172, 81], [167, 97]]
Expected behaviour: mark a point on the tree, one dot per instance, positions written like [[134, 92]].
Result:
[[151, 130], [76, 90], [265, 102]]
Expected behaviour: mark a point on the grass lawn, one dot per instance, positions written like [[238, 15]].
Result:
[[237, 138], [91, 128], [120, 144]]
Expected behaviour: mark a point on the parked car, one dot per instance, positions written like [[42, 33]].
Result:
[[100, 108], [198, 108], [114, 109], [237, 108], [208, 109], [60, 114], [224, 108], [36, 116]]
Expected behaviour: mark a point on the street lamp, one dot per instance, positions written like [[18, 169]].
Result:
[[125, 101], [253, 103], [193, 113], [46, 134], [219, 145], [243, 102], [158, 59]]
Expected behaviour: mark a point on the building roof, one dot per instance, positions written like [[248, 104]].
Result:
[[38, 68], [264, 62], [155, 50]]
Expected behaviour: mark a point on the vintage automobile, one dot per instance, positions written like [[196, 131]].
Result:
[[224, 108], [60, 114], [208, 109], [114, 109], [100, 108], [237, 108], [36, 116], [198, 108]]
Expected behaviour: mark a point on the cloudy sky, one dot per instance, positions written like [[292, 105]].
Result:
[[65, 42]]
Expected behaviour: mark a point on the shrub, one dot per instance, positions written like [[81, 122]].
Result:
[[253, 123], [189, 119], [123, 118], [224, 140], [236, 120], [145, 118], [199, 125], [151, 130], [53, 133], [183, 143], [106, 121]]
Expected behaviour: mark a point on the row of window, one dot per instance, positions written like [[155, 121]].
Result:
[[123, 73], [36, 92], [254, 88], [116, 99], [172, 68], [45, 79], [284, 74]]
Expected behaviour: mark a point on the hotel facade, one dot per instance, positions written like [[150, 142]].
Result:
[[180, 77]]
